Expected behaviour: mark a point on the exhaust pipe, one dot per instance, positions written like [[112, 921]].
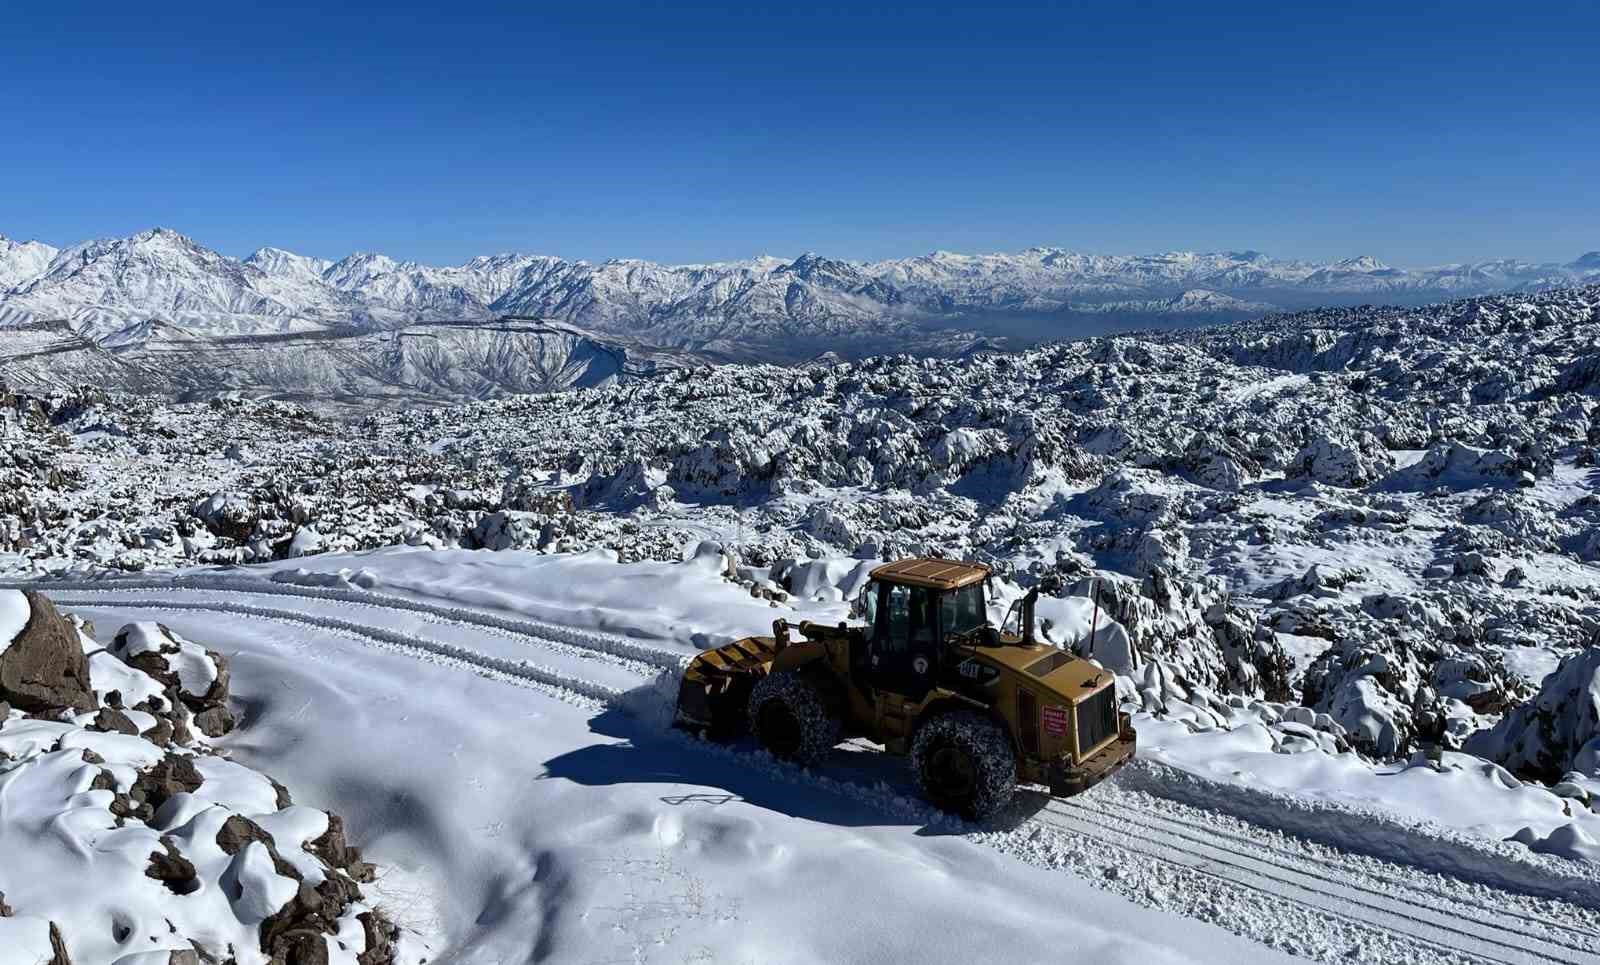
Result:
[[1027, 615]]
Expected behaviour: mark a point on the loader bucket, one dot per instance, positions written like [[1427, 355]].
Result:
[[716, 687]]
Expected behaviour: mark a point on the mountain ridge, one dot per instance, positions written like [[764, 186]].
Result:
[[764, 307]]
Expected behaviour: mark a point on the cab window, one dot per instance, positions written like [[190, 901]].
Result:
[[963, 610], [907, 619], [895, 619]]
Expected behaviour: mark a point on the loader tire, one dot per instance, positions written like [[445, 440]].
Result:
[[792, 718], [965, 764]]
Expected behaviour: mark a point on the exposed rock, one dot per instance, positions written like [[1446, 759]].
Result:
[[379, 934], [194, 676], [161, 733], [283, 797], [44, 669], [114, 721], [267, 900], [1198, 638], [173, 774], [1370, 686], [332, 848], [1346, 460], [172, 869], [214, 721], [230, 515], [301, 947], [238, 831], [58, 947]]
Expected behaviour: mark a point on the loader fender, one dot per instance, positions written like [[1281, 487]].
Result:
[[797, 655]]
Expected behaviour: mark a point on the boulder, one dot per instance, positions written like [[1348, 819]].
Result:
[[172, 775], [306, 541], [215, 720], [506, 530], [1199, 638], [1556, 732], [43, 668], [198, 677], [1377, 687], [1347, 461], [230, 515], [114, 722]]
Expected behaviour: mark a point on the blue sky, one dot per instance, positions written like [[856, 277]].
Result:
[[1418, 132]]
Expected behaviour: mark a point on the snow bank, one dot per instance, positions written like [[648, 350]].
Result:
[[695, 601], [1352, 825]]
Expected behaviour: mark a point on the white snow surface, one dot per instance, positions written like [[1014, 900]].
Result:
[[1327, 550], [691, 605], [506, 821], [14, 612], [450, 705]]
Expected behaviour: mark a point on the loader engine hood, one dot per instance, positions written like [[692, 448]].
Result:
[[1049, 670], [1064, 707]]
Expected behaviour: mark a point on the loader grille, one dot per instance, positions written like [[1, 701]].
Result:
[[1097, 719]]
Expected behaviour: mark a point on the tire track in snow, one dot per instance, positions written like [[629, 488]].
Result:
[[1389, 885], [1272, 890], [1245, 863], [593, 663], [435, 651], [546, 632], [1238, 861]]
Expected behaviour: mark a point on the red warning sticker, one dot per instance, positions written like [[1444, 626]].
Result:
[[1053, 720]]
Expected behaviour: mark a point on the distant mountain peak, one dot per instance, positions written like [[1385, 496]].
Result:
[[1360, 263]]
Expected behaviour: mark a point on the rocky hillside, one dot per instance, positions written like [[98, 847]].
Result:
[[424, 363], [1400, 499]]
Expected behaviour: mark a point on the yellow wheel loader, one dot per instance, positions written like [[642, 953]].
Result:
[[978, 708]]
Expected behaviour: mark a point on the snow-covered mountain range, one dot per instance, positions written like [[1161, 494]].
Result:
[[763, 308]]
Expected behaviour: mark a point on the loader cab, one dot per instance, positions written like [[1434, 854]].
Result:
[[913, 609]]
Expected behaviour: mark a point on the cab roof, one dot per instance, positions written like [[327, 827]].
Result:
[[933, 574]]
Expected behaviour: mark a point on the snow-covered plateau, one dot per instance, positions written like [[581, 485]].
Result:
[[1342, 563]]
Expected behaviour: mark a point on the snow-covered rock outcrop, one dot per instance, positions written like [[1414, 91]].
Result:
[[1558, 731], [127, 837]]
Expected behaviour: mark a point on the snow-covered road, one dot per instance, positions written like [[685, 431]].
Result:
[[1249, 878]]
